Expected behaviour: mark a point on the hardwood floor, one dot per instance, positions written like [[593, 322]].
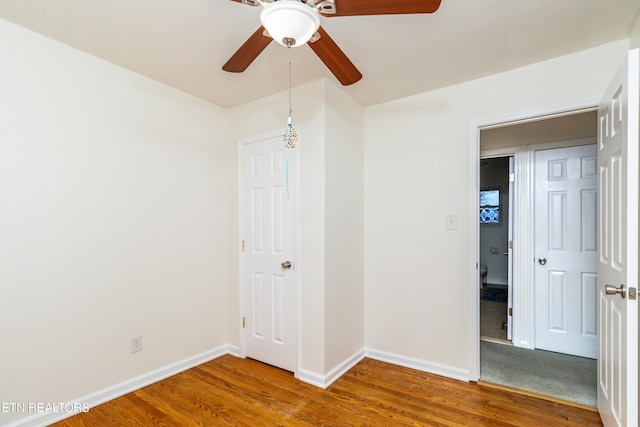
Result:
[[243, 392], [492, 316]]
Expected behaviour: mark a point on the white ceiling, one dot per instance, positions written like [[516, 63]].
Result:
[[184, 43]]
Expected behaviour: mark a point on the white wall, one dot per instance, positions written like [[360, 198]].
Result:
[[344, 207], [416, 171], [634, 38], [111, 222], [574, 126]]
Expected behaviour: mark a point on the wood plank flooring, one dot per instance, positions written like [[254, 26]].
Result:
[[229, 391]]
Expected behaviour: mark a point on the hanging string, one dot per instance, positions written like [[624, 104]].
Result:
[[290, 137], [288, 131], [289, 49]]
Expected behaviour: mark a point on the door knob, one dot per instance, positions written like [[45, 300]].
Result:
[[612, 290], [286, 265], [542, 260]]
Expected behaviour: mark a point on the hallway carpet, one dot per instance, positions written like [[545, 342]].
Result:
[[543, 372]]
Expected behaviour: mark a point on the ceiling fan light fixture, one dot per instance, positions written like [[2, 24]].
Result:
[[290, 22]]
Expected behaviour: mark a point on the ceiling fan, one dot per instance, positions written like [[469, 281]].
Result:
[[296, 22]]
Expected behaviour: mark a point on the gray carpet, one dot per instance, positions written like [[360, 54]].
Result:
[[551, 374]]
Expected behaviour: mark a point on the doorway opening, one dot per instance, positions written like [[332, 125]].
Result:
[[495, 215], [499, 363]]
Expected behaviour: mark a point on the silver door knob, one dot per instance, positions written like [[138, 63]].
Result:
[[542, 260], [612, 290], [286, 265]]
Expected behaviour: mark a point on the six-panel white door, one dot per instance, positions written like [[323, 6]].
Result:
[[618, 115], [566, 250], [267, 214]]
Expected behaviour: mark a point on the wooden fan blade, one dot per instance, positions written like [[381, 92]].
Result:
[[335, 59], [384, 7], [247, 52], [248, 2]]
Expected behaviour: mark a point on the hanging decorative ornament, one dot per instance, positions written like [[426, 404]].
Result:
[[290, 136]]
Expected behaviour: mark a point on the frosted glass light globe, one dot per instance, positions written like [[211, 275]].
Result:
[[290, 20]]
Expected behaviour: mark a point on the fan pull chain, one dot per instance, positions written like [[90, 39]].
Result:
[[289, 49], [290, 137]]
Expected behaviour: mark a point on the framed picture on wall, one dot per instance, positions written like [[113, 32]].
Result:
[[490, 206]]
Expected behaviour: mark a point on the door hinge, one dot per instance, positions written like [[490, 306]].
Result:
[[244, 322], [512, 177], [243, 246], [510, 311], [242, 169]]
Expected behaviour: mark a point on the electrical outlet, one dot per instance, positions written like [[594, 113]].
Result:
[[136, 344]]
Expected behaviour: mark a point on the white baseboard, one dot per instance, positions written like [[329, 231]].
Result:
[[233, 350], [324, 381], [117, 390], [418, 364], [310, 377]]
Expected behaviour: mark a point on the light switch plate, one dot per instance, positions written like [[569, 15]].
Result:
[[451, 221]]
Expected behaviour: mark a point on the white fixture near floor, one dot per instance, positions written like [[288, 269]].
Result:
[[483, 275]]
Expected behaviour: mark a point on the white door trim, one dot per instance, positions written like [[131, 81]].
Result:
[[295, 190], [475, 126]]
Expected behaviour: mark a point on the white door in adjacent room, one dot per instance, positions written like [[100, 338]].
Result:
[[618, 240], [566, 250], [509, 251], [267, 264]]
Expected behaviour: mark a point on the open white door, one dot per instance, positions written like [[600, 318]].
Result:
[[618, 243], [267, 212], [509, 251]]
